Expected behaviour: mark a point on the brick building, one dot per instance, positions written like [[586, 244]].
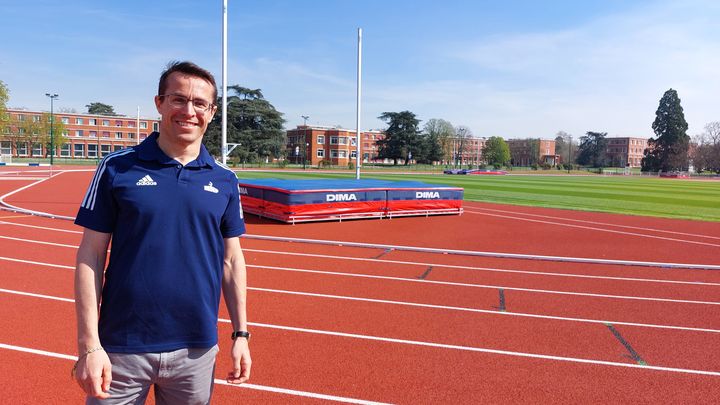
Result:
[[526, 152], [467, 151], [86, 135], [312, 144], [625, 151]]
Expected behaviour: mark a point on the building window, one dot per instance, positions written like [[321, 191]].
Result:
[[352, 141], [65, 120], [22, 149], [5, 148], [321, 140], [79, 150], [78, 121], [333, 140], [143, 136], [342, 154], [343, 140], [353, 154], [92, 134], [37, 149], [334, 154], [92, 121], [131, 124], [118, 135], [21, 118], [65, 150], [92, 150], [117, 147], [156, 126], [36, 118], [143, 124], [78, 132], [106, 134], [104, 150], [106, 123], [118, 123], [320, 153], [131, 135]]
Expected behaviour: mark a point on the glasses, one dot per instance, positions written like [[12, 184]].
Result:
[[178, 102]]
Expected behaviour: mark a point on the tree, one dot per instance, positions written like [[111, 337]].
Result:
[[252, 122], [496, 152], [100, 109], [401, 136], [4, 97], [591, 151], [462, 137], [564, 146], [58, 130], [669, 151], [443, 133], [706, 149]]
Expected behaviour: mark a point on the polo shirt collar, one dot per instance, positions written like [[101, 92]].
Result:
[[149, 150]]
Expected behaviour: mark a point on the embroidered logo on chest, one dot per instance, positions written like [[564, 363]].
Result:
[[210, 188], [146, 181]]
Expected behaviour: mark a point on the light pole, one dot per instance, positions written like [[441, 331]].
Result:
[[305, 142], [52, 124]]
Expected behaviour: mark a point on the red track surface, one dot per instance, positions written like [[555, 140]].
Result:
[[411, 327]]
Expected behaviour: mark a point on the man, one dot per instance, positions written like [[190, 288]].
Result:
[[175, 218]]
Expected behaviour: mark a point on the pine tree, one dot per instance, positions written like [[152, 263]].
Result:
[[669, 151]]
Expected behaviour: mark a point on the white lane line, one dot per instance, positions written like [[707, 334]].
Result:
[[472, 348], [217, 380], [434, 306], [493, 287], [471, 253], [44, 228], [425, 264], [33, 295], [597, 223], [595, 229], [475, 268]]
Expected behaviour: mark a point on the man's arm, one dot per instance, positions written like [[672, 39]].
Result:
[[93, 370], [234, 289]]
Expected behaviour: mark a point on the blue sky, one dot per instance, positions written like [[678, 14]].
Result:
[[513, 68]]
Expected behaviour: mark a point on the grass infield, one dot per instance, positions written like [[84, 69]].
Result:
[[634, 195]]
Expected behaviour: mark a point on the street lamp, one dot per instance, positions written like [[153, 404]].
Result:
[[52, 122], [305, 118]]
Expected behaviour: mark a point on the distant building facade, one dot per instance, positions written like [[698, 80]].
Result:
[[526, 152], [467, 151], [336, 146], [625, 151], [87, 136]]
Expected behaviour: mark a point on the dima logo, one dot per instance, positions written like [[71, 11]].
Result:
[[427, 194], [243, 190], [340, 197]]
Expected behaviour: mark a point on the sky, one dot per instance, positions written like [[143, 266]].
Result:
[[515, 69]]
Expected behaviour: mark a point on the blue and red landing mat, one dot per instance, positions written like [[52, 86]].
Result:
[[322, 200]]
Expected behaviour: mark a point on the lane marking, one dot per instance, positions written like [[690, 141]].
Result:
[[501, 308], [596, 229], [597, 223], [476, 349], [12, 216], [217, 380], [424, 275], [633, 354]]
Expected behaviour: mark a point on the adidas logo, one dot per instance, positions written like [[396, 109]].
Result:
[[146, 181], [210, 188]]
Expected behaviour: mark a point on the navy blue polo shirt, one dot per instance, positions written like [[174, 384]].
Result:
[[168, 221]]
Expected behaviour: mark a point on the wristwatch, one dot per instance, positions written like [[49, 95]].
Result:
[[241, 333]]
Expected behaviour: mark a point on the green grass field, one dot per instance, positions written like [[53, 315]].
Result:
[[669, 198]]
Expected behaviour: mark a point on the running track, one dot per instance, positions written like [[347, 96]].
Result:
[[333, 321]]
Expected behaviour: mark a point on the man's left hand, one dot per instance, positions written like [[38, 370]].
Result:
[[241, 362]]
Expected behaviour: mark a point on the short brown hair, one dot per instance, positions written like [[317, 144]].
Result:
[[190, 69]]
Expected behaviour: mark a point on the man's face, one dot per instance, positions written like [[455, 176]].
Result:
[[185, 123]]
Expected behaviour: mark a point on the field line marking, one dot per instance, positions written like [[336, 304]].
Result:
[[433, 306], [519, 256], [596, 229], [472, 348], [45, 228], [597, 223], [217, 380]]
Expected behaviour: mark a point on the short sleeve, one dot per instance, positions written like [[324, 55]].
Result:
[[233, 223], [98, 210]]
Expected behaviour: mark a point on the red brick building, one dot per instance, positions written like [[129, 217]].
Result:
[[526, 152], [87, 135], [625, 151], [337, 146]]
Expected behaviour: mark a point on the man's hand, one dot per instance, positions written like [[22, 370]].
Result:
[[240, 355], [94, 373]]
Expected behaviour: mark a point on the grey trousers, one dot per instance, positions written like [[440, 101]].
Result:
[[182, 376]]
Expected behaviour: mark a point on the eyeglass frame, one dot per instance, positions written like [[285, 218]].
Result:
[[191, 100]]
